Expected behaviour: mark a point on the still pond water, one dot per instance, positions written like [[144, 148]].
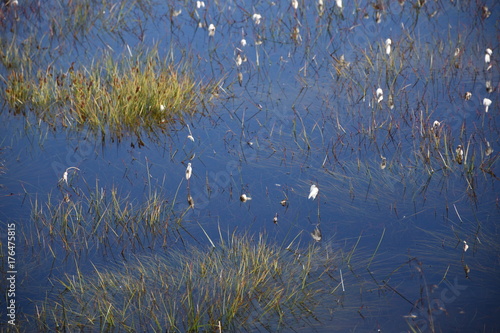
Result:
[[308, 93]]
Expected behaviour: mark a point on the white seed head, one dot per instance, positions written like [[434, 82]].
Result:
[[383, 163], [200, 4], [295, 4], [189, 171], [244, 198], [487, 56], [243, 42], [313, 192], [380, 95], [388, 43], [489, 150], [190, 137], [316, 234], [256, 18], [162, 107], [211, 30], [338, 3], [466, 247], [486, 103], [239, 60]]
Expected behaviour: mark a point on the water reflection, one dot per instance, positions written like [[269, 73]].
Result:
[[399, 133]]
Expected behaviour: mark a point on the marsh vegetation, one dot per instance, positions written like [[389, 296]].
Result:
[[218, 166]]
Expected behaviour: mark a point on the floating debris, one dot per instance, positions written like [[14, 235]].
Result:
[[388, 43], [316, 234], [256, 18], [466, 246], [284, 202], [275, 219], [190, 201], [460, 154], [244, 198], [486, 103], [211, 30], [380, 95], [189, 171], [383, 163], [467, 95], [313, 192], [489, 150]]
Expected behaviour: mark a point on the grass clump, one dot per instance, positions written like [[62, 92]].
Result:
[[120, 96], [102, 220], [240, 284]]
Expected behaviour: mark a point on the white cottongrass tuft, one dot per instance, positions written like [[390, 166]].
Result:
[[65, 174], [243, 42], [239, 60], [211, 30], [388, 43], [487, 56], [313, 192], [489, 150], [244, 198], [256, 18], [316, 234], [486, 103], [339, 3], [380, 95], [189, 171], [295, 4], [200, 4], [466, 246]]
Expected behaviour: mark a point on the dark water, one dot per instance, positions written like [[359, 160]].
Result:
[[300, 116]]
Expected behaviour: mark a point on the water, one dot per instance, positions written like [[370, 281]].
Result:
[[306, 112]]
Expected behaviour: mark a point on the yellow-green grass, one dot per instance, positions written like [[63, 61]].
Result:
[[241, 283], [129, 95]]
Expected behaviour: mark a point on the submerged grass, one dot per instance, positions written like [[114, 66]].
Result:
[[102, 220], [129, 95], [241, 283]]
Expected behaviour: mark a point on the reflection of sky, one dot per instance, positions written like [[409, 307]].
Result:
[[307, 125]]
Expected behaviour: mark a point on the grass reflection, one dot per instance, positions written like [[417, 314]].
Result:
[[241, 283]]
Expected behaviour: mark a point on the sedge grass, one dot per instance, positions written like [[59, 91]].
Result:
[[242, 283], [102, 219], [120, 96]]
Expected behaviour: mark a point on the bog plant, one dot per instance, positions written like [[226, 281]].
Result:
[[241, 283], [128, 95]]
